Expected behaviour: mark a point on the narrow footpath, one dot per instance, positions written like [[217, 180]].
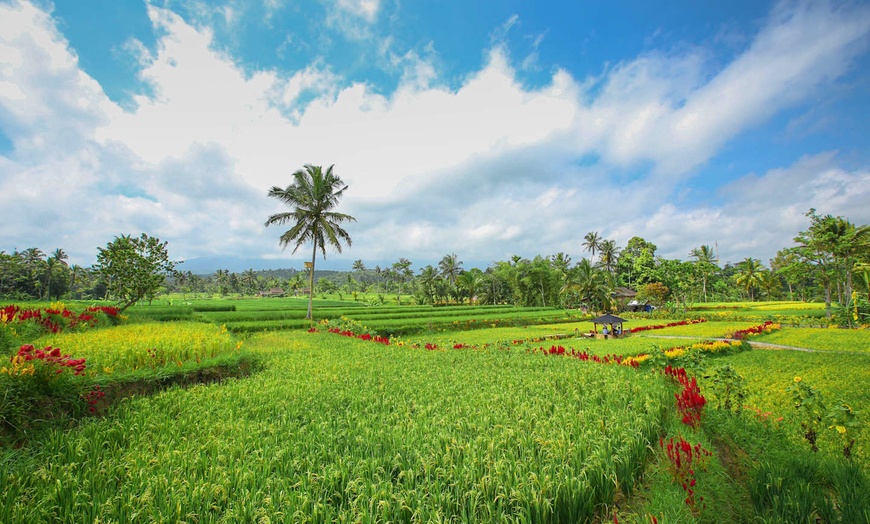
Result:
[[758, 345]]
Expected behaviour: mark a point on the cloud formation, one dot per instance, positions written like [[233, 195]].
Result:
[[485, 169]]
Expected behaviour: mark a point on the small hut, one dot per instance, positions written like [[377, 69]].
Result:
[[615, 323]]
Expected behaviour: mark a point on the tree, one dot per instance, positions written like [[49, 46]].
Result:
[[608, 255], [426, 284], [450, 267], [705, 261], [749, 275], [469, 282], [133, 268], [631, 271], [830, 246], [250, 281], [313, 196], [655, 292], [401, 271], [588, 285], [593, 242]]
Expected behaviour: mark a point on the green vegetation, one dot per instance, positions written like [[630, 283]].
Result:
[[484, 413], [340, 430]]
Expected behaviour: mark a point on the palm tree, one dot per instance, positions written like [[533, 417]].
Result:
[[769, 283], [588, 285], [706, 263], [450, 267], [593, 242], [608, 253], [401, 271], [470, 281], [313, 196], [426, 280], [749, 275]]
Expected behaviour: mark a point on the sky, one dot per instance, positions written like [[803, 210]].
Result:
[[487, 129]]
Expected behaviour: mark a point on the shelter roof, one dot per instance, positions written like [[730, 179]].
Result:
[[608, 319]]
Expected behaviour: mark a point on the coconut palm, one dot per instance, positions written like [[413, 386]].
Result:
[[608, 255], [593, 242], [450, 267], [588, 285], [705, 260], [313, 197], [749, 275]]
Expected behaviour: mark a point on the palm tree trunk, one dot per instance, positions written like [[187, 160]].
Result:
[[311, 281]]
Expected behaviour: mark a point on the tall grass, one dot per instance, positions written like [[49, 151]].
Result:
[[339, 430]]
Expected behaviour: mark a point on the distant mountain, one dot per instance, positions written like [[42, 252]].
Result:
[[208, 265]]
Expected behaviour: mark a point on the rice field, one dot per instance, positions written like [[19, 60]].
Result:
[[152, 346], [339, 430], [821, 339]]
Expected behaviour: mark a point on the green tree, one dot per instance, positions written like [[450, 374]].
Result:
[[133, 268], [592, 242], [830, 247], [401, 272], [608, 256], [426, 284], [749, 275], [587, 285], [792, 269], [655, 292], [469, 282], [450, 267], [313, 197], [629, 271], [705, 262], [250, 281]]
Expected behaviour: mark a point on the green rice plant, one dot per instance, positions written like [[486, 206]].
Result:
[[340, 430], [768, 375], [145, 346], [830, 339]]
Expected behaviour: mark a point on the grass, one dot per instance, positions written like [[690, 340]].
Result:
[[341, 430], [337, 429], [839, 377], [830, 339]]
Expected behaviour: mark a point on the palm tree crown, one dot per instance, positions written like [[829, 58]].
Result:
[[593, 242], [313, 197]]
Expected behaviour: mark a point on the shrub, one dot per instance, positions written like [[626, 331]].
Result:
[[39, 384]]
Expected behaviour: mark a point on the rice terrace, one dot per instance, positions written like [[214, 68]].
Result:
[[210, 406], [452, 262]]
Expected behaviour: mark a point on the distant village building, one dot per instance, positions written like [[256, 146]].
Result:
[[622, 296], [272, 292]]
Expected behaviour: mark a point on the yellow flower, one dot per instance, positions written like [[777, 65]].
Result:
[[797, 379], [841, 429]]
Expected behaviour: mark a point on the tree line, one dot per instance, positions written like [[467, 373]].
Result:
[[830, 262]]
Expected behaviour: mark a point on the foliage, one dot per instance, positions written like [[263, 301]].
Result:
[[148, 346], [728, 388], [134, 268], [341, 430], [313, 197], [37, 384], [816, 415], [655, 292], [683, 460]]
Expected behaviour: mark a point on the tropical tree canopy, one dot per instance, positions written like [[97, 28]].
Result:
[[134, 268], [313, 197]]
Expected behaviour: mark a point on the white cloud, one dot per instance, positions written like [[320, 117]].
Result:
[[488, 169], [353, 18]]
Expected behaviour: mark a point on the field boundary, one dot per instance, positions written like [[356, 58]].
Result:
[[761, 345]]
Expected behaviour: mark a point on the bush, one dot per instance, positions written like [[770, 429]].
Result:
[[39, 384]]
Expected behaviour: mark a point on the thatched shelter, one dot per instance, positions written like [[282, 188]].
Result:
[[613, 321]]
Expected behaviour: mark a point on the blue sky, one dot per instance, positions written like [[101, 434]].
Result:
[[485, 129]]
